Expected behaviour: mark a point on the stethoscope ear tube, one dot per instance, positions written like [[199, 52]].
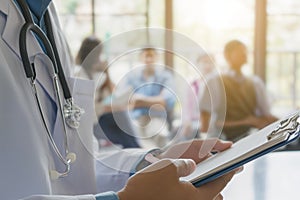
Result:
[[30, 72], [29, 69], [25, 10], [61, 74]]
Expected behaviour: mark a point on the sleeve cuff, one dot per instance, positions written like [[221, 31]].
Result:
[[107, 196]]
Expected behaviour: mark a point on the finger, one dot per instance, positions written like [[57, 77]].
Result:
[[222, 145], [213, 144], [239, 169], [184, 166], [212, 189], [179, 167], [219, 197], [159, 165]]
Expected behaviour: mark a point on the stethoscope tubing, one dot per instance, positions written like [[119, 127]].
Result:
[[57, 76], [61, 74], [29, 69]]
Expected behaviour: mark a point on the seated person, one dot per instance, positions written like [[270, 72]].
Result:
[[113, 119], [191, 110], [153, 98], [246, 104], [113, 124]]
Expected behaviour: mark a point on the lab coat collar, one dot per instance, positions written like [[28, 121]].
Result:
[[4, 5], [11, 37], [12, 30]]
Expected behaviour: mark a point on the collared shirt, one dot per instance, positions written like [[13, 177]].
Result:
[[38, 7], [161, 83]]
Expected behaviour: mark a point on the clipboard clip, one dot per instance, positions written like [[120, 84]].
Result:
[[289, 125]]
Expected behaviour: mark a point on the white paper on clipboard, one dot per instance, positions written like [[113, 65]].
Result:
[[249, 148]]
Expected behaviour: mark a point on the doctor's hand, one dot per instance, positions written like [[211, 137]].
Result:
[[197, 149], [161, 181]]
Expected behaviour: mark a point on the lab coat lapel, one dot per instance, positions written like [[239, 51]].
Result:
[[36, 55], [43, 67], [12, 31]]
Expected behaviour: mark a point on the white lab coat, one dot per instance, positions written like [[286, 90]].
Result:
[[25, 152]]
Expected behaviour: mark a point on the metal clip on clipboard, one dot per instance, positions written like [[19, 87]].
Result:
[[287, 126]]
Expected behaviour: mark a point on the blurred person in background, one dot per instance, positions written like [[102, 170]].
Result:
[[191, 110], [153, 98], [112, 125], [246, 100]]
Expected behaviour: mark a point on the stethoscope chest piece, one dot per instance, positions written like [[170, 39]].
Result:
[[72, 114]]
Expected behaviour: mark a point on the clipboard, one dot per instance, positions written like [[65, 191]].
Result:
[[266, 140]]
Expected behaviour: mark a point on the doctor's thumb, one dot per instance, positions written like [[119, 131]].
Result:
[[184, 166]]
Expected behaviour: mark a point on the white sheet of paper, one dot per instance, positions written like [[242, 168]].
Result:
[[239, 151]]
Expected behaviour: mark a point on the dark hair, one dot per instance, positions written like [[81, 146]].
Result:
[[89, 52], [231, 45]]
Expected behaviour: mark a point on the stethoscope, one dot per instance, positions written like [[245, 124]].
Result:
[[70, 112]]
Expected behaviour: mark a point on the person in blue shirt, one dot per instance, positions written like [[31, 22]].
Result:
[[154, 98], [30, 167]]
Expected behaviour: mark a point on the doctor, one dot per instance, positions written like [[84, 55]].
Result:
[[37, 147]]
